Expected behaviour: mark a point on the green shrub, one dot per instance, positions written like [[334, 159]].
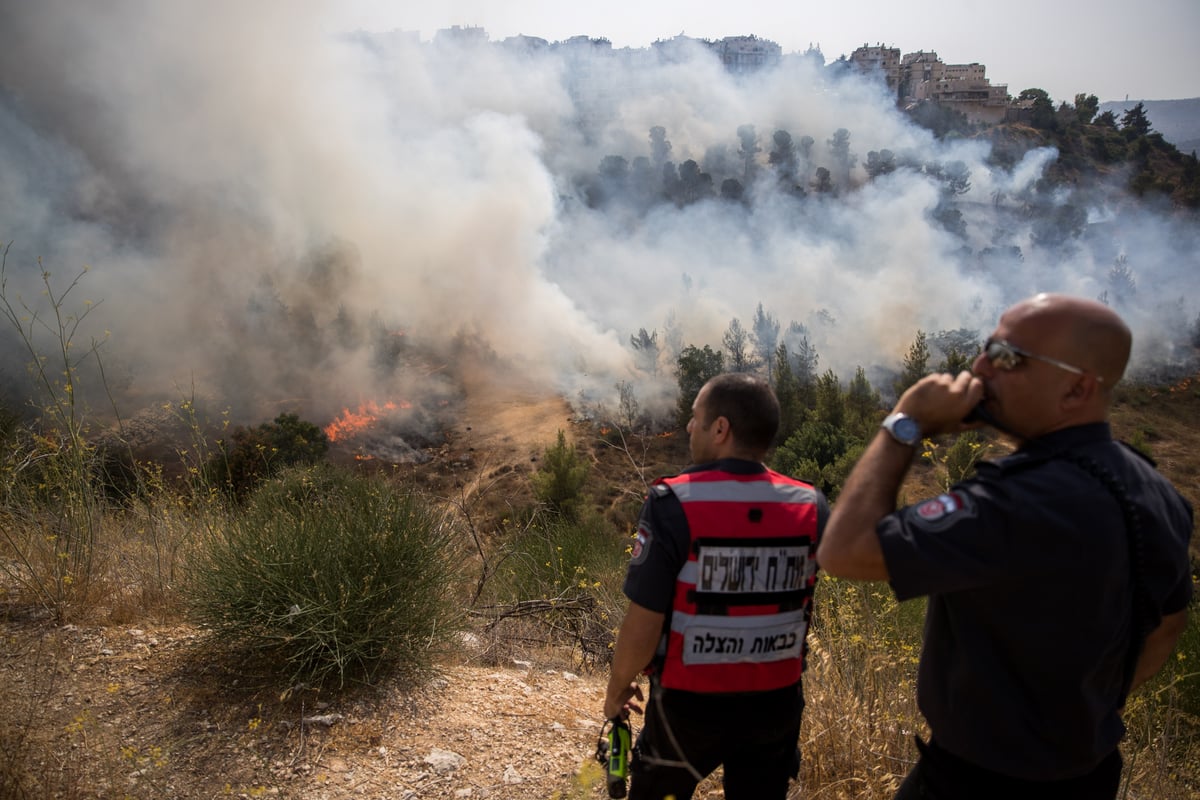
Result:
[[818, 452], [337, 574], [254, 454], [866, 618], [833, 476], [559, 480], [962, 456]]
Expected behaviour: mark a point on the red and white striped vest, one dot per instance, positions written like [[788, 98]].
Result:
[[743, 599]]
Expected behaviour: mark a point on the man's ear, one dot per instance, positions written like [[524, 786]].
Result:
[[1081, 392], [721, 429]]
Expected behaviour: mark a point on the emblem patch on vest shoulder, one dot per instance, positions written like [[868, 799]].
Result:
[[641, 544], [941, 511]]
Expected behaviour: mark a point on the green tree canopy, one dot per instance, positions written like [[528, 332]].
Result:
[[862, 404], [560, 478], [916, 364], [1086, 107], [738, 346], [1136, 121], [251, 455], [766, 337], [1042, 108], [694, 368], [792, 410], [829, 406]]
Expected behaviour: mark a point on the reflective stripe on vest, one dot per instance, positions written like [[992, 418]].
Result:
[[743, 598]]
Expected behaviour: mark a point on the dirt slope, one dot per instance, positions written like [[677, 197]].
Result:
[[141, 713]]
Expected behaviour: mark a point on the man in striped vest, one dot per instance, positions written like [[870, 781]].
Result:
[[720, 588]]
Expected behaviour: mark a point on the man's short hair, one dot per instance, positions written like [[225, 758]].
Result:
[[749, 405]]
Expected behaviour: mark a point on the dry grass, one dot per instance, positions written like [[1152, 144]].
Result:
[[860, 714]]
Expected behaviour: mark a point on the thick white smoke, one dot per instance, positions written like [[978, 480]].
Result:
[[266, 208]]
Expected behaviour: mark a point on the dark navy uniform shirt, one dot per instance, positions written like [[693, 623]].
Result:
[[1029, 618]]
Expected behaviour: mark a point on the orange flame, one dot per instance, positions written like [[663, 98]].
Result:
[[353, 422]]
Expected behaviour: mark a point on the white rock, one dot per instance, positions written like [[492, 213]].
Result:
[[323, 719], [511, 776], [444, 761]]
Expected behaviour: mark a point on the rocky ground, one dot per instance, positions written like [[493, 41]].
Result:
[[143, 712]]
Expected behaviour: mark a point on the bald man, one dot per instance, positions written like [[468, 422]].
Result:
[[1057, 578]]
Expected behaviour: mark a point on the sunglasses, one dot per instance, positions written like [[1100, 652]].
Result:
[[1006, 356]]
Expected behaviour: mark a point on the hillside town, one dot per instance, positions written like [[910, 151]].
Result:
[[913, 78]]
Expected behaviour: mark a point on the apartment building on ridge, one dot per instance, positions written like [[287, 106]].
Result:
[[922, 76]]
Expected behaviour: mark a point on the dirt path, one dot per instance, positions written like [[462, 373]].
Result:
[[508, 419]]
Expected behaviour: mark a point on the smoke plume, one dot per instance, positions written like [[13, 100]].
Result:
[[285, 217]]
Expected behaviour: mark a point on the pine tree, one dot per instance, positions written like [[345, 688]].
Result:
[[916, 364]]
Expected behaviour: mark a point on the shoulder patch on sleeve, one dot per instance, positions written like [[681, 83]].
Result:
[[942, 511], [641, 543], [660, 490]]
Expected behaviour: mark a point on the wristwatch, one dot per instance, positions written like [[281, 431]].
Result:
[[903, 428]]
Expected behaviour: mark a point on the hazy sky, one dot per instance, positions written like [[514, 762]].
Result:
[[1145, 50]]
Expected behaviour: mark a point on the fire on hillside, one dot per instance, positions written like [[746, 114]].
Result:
[[394, 431]]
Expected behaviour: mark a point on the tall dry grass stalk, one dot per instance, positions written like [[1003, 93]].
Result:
[[52, 506], [860, 712]]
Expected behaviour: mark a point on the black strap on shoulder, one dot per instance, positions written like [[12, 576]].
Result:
[[1142, 606]]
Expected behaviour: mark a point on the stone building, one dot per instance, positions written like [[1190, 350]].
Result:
[[741, 54], [881, 60], [964, 87]]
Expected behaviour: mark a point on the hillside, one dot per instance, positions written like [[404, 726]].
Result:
[[1094, 145], [139, 707]]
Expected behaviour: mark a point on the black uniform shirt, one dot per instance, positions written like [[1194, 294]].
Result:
[[1029, 621]]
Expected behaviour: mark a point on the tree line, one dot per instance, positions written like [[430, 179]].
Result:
[[1089, 144], [825, 422]]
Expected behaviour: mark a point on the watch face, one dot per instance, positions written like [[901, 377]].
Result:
[[907, 430]]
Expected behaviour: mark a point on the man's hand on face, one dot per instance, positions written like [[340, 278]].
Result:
[[940, 402]]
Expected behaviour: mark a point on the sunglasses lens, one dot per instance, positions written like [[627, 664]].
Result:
[[1002, 356]]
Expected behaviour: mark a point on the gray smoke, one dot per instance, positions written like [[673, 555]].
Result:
[[284, 218]]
